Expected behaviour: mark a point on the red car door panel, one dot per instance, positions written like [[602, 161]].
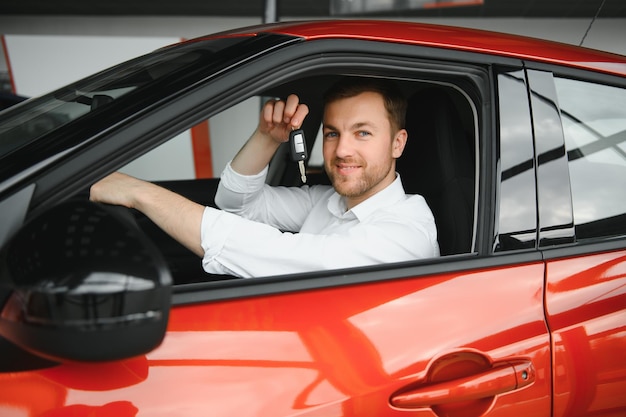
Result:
[[586, 305], [349, 351]]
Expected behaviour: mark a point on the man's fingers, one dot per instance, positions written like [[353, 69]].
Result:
[[298, 117], [268, 111], [295, 112], [279, 111], [280, 116], [291, 106]]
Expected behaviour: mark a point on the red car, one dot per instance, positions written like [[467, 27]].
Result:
[[520, 153]]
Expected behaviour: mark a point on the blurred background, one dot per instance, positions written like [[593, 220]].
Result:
[[47, 44]]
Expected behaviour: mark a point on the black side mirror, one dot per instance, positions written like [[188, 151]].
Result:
[[84, 284]]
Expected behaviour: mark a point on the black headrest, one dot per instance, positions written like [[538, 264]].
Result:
[[437, 149], [438, 163]]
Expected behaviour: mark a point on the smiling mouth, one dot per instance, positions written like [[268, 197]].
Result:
[[346, 169]]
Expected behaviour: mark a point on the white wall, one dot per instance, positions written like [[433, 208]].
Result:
[[41, 63], [48, 52]]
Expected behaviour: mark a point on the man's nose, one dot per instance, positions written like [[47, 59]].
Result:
[[345, 146]]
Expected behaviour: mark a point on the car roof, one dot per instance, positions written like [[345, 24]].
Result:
[[450, 37]]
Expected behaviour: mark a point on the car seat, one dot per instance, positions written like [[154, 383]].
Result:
[[438, 163]]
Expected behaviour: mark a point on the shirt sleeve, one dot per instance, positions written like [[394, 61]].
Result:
[[245, 248], [283, 208]]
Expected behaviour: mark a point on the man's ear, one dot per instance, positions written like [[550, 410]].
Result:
[[399, 142]]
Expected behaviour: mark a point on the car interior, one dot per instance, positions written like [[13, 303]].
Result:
[[439, 163]]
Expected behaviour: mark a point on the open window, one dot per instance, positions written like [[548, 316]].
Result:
[[439, 162]]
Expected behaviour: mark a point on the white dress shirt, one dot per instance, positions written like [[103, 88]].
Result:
[[263, 230]]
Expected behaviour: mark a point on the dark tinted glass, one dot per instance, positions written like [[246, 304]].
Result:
[[517, 211], [556, 224]]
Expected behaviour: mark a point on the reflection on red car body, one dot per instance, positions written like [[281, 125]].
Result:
[[329, 350], [46, 393], [586, 297]]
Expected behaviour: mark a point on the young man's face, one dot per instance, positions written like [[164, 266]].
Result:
[[360, 147]]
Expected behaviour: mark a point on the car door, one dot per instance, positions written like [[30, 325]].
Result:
[[443, 344], [460, 335], [585, 280]]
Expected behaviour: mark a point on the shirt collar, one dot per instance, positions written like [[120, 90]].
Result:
[[388, 196]]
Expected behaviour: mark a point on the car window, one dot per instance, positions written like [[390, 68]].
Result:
[[40, 116], [201, 151], [594, 125], [175, 163]]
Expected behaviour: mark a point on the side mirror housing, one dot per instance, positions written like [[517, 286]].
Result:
[[83, 283]]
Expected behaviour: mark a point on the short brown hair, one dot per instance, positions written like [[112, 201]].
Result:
[[394, 100]]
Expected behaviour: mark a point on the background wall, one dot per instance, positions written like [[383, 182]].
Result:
[[45, 53]]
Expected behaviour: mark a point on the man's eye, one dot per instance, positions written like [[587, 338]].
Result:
[[330, 135], [363, 133]]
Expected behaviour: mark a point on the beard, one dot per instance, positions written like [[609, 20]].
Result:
[[353, 186]]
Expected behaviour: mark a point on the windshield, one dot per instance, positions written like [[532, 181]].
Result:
[[27, 121]]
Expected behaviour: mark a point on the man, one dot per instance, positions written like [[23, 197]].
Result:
[[365, 218]]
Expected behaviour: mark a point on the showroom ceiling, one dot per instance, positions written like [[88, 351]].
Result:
[[317, 8]]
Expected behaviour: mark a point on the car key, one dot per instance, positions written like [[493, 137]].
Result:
[[298, 150]]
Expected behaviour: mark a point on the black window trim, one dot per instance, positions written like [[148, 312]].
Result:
[[502, 175], [263, 286], [550, 234]]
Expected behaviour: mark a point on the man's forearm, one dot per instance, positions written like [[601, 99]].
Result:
[[176, 215], [173, 213], [255, 155]]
